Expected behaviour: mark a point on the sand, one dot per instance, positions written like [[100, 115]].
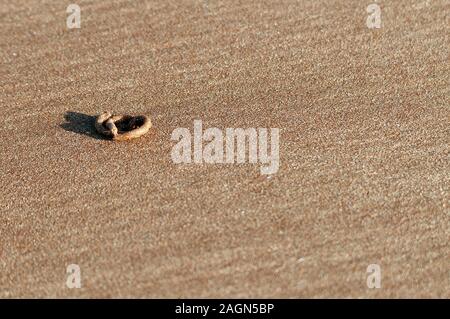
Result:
[[364, 148]]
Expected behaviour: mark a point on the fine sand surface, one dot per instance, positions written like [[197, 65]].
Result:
[[364, 178]]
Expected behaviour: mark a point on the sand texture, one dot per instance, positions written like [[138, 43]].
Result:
[[364, 147]]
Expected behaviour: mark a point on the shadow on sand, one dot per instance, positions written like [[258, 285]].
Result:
[[81, 123]]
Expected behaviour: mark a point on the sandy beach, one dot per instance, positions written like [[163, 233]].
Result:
[[364, 174]]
